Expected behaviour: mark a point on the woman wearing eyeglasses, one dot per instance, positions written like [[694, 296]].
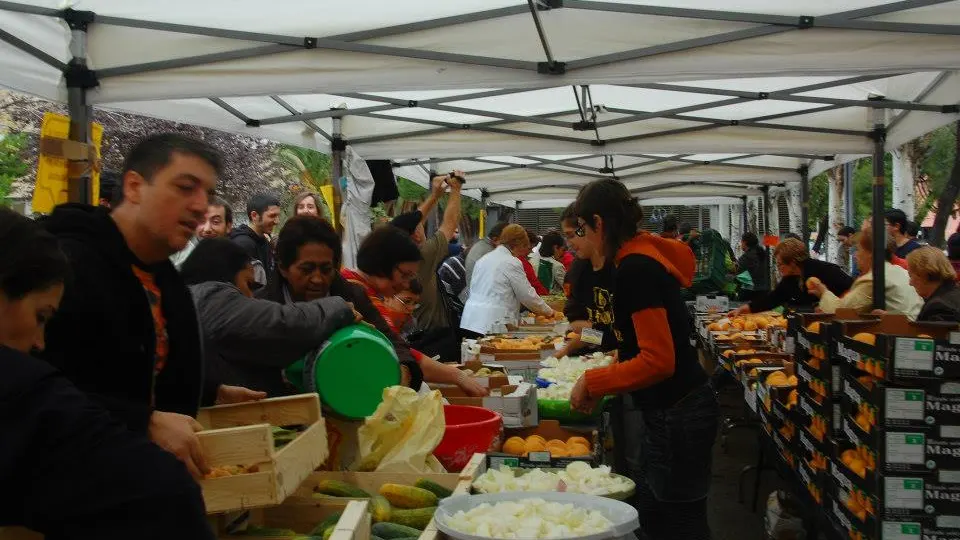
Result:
[[657, 366], [387, 265], [499, 286], [248, 341]]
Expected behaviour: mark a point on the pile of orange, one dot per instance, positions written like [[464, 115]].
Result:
[[792, 399], [866, 417], [818, 387], [788, 430], [819, 462], [859, 460], [814, 327], [572, 447], [860, 504], [818, 427]]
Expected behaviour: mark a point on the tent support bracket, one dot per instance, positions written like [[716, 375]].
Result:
[[79, 78], [804, 172], [879, 136]]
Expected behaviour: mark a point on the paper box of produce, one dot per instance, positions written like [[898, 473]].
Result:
[[261, 451], [519, 449], [516, 403], [535, 515]]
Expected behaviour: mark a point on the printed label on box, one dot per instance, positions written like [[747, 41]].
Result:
[[750, 396], [903, 493], [950, 432], [487, 357], [948, 522], [905, 448], [914, 354], [790, 345], [904, 404], [895, 530], [539, 457], [949, 477]]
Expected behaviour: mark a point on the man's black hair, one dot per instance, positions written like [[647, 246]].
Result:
[[214, 259], [670, 223], [897, 218], [751, 239], [227, 210], [551, 241], [569, 214], [111, 187], [497, 229], [383, 249], [685, 228], [32, 259], [260, 202], [953, 246], [154, 152], [847, 231], [913, 229], [302, 230]]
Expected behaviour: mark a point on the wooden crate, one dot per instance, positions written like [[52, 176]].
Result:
[[302, 515], [370, 482], [241, 434]]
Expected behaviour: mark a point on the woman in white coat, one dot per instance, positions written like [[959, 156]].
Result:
[[499, 286]]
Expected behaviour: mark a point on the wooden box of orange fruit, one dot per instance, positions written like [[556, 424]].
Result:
[[546, 445], [897, 350]]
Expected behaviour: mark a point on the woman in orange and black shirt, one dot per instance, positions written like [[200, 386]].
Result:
[[657, 364]]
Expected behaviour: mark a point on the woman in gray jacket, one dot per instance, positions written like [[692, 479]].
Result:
[[249, 341]]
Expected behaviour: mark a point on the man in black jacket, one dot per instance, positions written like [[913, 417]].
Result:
[[263, 211], [126, 332]]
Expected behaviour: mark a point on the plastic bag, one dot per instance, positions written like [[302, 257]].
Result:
[[402, 433], [782, 521]]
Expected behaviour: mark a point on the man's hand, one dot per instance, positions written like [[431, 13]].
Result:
[[438, 185], [237, 394], [453, 180], [357, 317], [404, 376], [580, 398], [471, 387], [742, 310], [177, 434]]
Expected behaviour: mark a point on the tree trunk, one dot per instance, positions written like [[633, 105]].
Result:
[[947, 198], [903, 181], [836, 214]]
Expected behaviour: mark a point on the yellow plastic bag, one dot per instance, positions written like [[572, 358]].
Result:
[[402, 433]]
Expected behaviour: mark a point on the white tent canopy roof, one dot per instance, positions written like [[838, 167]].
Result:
[[545, 98]]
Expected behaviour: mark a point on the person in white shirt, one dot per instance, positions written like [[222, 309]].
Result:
[[499, 286], [546, 262]]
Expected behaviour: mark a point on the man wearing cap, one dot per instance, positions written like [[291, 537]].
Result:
[[431, 317]]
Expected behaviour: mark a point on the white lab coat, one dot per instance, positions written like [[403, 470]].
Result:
[[498, 287]]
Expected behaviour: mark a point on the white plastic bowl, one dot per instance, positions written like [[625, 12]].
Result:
[[623, 516]]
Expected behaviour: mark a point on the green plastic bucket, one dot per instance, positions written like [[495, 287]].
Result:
[[350, 371]]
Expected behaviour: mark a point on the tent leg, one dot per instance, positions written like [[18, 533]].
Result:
[[879, 136], [805, 204], [79, 189], [337, 146]]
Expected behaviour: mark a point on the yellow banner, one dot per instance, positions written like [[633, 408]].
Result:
[[51, 187], [327, 193], [483, 223]]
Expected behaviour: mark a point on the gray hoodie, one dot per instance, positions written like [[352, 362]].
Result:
[[249, 341]]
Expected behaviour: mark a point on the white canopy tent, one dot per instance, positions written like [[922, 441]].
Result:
[[533, 98]]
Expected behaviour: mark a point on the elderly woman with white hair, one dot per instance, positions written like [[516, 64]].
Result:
[[499, 286]]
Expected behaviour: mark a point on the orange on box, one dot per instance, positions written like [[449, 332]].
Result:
[[515, 446]]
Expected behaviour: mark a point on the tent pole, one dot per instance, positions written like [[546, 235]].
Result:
[[337, 147], [879, 136], [804, 204], [78, 78]]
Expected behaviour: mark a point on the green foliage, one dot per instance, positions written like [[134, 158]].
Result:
[[862, 192], [310, 166], [940, 147], [410, 190], [12, 164]]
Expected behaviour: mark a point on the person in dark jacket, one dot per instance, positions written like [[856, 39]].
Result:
[[309, 254], [796, 267], [126, 332], [69, 469], [247, 340], [656, 365], [935, 280], [754, 261], [263, 211]]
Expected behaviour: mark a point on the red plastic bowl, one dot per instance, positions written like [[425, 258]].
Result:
[[469, 430]]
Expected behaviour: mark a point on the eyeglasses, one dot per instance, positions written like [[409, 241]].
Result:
[[580, 231], [409, 305]]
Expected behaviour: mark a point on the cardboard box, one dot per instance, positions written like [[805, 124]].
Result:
[[242, 434], [516, 403], [548, 429], [525, 365]]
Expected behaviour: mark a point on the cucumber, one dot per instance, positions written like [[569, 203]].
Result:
[[329, 523], [418, 519], [340, 489], [393, 531], [433, 487]]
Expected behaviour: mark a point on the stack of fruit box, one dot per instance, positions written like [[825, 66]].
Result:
[[895, 460]]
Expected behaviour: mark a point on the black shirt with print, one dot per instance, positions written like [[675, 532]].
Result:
[[591, 299]]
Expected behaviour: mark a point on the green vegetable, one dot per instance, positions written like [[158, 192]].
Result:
[[433, 487], [418, 519], [393, 531], [380, 508], [329, 523], [340, 489]]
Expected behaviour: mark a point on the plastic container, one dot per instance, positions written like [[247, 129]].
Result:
[[623, 516], [350, 371], [556, 409], [470, 430], [621, 495]]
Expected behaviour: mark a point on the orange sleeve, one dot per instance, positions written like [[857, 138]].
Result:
[[656, 361]]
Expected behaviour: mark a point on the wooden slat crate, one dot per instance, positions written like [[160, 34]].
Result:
[[242, 434], [302, 515]]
